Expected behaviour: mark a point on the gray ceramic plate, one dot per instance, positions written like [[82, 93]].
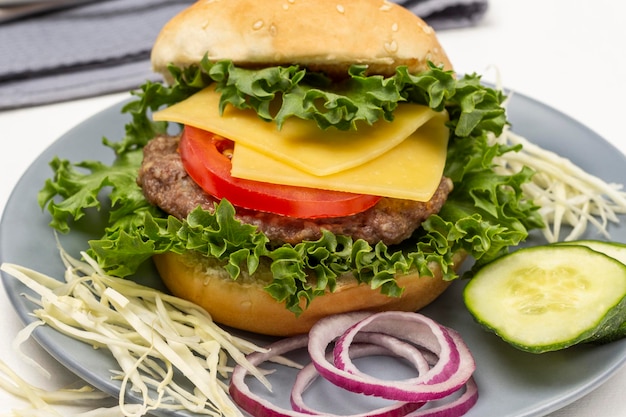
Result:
[[511, 383]]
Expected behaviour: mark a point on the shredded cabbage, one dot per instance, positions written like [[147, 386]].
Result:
[[40, 399], [565, 193], [153, 336]]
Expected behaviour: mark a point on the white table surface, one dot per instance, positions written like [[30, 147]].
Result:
[[569, 54]]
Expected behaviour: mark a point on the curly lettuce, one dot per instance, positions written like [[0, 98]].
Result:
[[484, 215]]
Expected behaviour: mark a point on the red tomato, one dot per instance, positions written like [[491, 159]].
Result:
[[204, 157]]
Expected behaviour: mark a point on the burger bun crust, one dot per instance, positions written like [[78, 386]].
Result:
[[325, 35], [245, 305]]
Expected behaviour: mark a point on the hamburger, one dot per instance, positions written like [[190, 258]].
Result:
[[302, 158]]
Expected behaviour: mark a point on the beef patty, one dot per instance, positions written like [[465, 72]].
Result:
[[166, 184]]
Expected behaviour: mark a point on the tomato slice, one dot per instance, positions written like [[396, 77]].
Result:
[[205, 160]]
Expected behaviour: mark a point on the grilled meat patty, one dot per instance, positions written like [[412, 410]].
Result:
[[167, 185]]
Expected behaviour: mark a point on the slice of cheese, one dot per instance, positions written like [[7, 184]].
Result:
[[412, 170], [402, 159], [300, 143]]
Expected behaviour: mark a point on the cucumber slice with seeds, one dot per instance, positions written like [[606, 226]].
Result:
[[551, 297]]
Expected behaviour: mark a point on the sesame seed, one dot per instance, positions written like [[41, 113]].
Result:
[[273, 29], [285, 6], [340, 8], [391, 46], [257, 25], [394, 27], [385, 7]]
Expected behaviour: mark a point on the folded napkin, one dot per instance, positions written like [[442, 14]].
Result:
[[104, 46], [447, 14]]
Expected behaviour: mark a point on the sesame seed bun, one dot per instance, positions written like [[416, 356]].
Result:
[[245, 305], [326, 35]]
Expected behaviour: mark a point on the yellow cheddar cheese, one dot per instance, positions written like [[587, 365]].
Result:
[[412, 170], [300, 142], [401, 159]]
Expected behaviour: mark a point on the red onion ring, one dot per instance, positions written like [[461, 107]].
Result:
[[252, 403], [309, 373], [455, 408], [419, 358], [449, 374], [260, 407], [442, 359]]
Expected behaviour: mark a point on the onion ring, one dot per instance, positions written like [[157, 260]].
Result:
[[260, 407], [252, 403], [309, 373], [442, 360], [454, 367]]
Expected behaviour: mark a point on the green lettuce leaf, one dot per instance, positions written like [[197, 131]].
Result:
[[484, 215]]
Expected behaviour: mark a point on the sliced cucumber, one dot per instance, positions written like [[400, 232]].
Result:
[[550, 297], [614, 250]]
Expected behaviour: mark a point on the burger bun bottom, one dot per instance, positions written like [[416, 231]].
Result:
[[244, 304]]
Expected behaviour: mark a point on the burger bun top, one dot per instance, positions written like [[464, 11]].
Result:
[[324, 35]]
